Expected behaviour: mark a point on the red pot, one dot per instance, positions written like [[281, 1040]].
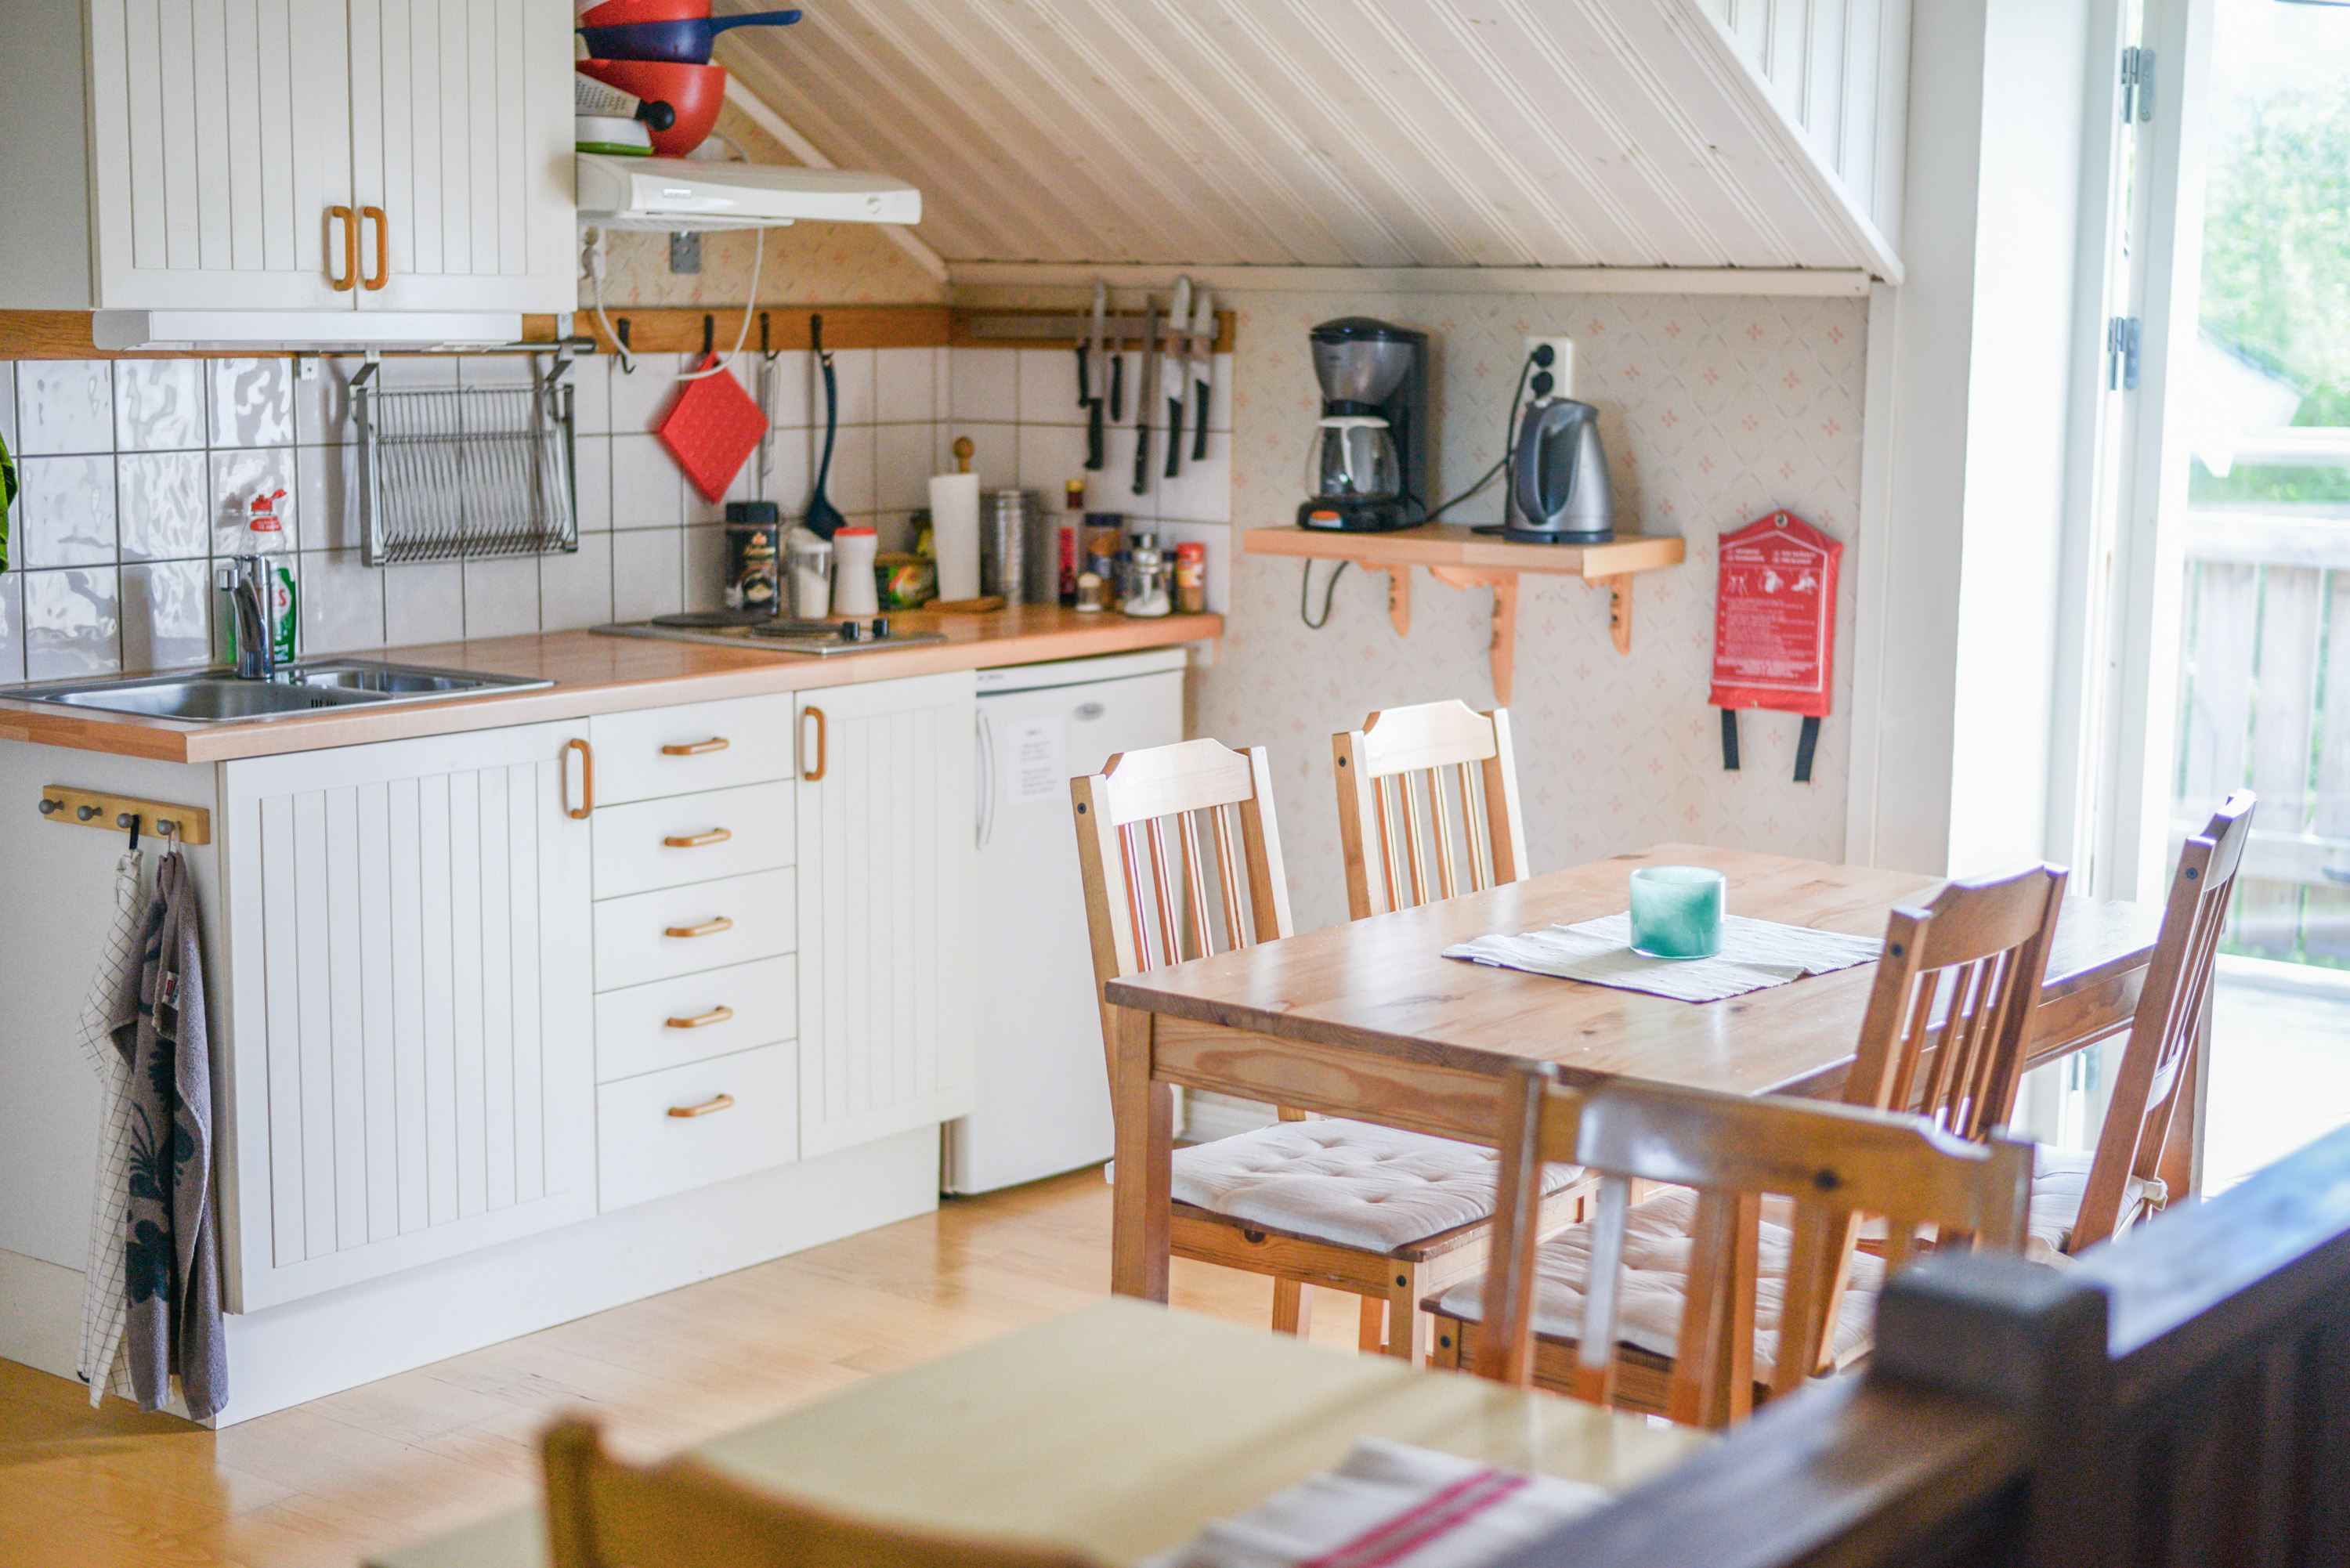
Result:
[[695, 92], [621, 13]]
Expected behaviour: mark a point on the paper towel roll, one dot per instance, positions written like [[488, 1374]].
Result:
[[954, 529]]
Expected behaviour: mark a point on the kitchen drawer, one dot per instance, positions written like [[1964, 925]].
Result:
[[710, 745], [634, 1034], [642, 1151], [752, 825], [632, 943]]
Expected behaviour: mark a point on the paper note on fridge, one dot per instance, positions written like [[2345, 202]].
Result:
[[1035, 759]]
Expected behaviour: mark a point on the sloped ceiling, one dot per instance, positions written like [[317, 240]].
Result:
[[1377, 133]]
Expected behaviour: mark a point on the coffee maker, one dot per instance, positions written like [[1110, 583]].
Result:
[[1367, 468]]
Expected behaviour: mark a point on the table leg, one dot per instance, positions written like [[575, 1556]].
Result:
[[1145, 1114]]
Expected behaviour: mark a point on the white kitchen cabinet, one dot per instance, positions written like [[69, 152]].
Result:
[[887, 908], [292, 154], [411, 1004]]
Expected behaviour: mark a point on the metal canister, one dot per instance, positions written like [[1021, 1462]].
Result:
[[1006, 518], [753, 564]]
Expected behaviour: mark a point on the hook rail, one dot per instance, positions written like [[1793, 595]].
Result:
[[116, 812]]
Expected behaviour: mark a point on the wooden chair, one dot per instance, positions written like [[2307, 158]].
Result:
[[1414, 786], [602, 1513], [1181, 859], [1583, 1311], [2078, 1199], [1952, 1001]]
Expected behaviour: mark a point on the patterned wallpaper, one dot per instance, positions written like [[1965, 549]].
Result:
[[806, 263], [1714, 411]]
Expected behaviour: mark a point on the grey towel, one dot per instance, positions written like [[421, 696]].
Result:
[[170, 1246]]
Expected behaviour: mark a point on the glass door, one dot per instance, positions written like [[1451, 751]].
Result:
[[2257, 456]]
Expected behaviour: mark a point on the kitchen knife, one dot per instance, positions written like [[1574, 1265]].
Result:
[[1143, 376], [1172, 382], [1098, 376], [1204, 366]]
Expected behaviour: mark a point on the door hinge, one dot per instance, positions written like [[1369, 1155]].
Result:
[[2121, 354], [2137, 84]]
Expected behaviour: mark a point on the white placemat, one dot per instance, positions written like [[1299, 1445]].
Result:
[[1755, 954], [1390, 1505]]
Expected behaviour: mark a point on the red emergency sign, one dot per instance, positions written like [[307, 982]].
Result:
[[1774, 626]]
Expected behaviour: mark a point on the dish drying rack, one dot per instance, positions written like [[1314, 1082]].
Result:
[[467, 472]]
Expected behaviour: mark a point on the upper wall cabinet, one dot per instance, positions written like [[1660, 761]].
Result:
[[303, 154]]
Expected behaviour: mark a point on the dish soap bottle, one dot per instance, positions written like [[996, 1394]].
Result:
[[264, 535]]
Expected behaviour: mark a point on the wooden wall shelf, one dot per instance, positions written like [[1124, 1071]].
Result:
[[1456, 555]]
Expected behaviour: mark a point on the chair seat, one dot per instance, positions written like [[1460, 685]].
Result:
[[1373, 1188], [1655, 1285], [2060, 1179]]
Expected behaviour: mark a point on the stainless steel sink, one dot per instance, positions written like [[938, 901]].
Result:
[[218, 696]]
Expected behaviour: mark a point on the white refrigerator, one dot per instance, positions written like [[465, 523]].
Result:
[[1042, 1100]]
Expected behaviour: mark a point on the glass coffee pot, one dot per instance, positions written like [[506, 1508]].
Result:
[[1352, 458]]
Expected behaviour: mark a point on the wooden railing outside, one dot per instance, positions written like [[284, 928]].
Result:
[[2265, 635], [2180, 1400]]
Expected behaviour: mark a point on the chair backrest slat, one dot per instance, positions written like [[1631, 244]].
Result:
[[1837, 1162], [1401, 850], [2170, 1016]]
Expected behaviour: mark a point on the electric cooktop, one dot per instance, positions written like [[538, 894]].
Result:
[[774, 634]]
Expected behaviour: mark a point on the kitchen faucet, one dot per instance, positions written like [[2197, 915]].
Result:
[[246, 578]]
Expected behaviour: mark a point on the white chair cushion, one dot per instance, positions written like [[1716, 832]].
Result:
[[1655, 1286], [2060, 1179], [1370, 1187]]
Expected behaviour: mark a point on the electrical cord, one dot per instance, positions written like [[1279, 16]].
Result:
[[1305, 589], [750, 309]]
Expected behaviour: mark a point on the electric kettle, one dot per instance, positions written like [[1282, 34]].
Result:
[[1559, 492]]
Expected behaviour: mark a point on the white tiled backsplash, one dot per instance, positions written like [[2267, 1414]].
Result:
[[137, 473]]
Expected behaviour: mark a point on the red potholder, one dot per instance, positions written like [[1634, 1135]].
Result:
[[712, 430]]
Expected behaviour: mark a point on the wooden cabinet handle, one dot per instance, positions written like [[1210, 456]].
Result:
[[707, 928], [696, 840], [813, 712], [717, 1104], [349, 278], [700, 1020], [715, 744], [586, 779], [382, 247]]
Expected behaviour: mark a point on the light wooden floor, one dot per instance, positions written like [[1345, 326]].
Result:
[[416, 1454]]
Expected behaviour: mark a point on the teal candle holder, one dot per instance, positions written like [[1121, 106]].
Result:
[[1676, 911]]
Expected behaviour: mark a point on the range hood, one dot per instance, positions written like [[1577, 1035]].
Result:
[[688, 194], [309, 331]]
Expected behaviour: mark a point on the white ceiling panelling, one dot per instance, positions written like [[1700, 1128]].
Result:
[[1366, 133], [1839, 71]]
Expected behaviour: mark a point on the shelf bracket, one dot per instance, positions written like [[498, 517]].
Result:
[[1619, 609], [1503, 649], [1400, 597]]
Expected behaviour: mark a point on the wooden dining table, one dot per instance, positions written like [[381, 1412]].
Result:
[[1119, 1431], [1368, 1020]]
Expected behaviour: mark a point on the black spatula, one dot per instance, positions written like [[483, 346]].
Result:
[[823, 517]]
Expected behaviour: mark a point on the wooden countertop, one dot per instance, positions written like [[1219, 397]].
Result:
[[596, 674]]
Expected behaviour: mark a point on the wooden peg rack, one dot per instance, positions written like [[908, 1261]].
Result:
[[115, 813]]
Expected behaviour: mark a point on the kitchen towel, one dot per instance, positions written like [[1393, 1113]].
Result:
[[1755, 954], [103, 1306], [170, 1244], [1390, 1505]]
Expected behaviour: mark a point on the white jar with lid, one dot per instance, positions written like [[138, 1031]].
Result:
[[853, 591]]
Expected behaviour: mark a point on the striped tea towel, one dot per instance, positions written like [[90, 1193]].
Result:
[[1390, 1505], [1755, 954], [105, 1303]]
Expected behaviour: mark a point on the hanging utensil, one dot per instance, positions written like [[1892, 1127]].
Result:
[[1144, 370], [1174, 384], [823, 519], [1204, 366], [1097, 375]]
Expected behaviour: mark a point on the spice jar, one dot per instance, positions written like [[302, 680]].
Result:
[[1191, 577]]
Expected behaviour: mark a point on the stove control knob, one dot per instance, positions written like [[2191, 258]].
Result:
[[880, 628]]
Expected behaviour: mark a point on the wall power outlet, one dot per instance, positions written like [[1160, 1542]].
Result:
[[1561, 370]]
